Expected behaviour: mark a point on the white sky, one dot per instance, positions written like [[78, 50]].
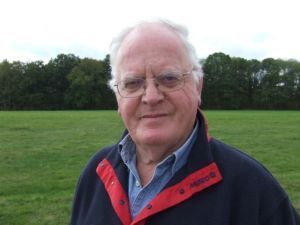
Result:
[[33, 30]]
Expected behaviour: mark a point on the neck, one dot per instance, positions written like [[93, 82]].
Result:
[[146, 161], [151, 155], [148, 156]]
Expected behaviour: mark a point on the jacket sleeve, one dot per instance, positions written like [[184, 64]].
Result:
[[85, 191], [284, 215]]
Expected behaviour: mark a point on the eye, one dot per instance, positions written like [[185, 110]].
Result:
[[169, 79], [132, 84]]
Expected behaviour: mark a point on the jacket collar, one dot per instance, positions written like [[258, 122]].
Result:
[[199, 173]]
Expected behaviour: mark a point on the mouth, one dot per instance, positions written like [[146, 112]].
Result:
[[153, 115]]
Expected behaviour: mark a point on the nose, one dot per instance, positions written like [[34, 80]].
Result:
[[152, 95]]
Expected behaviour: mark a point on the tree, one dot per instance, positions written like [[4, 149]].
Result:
[[11, 75], [217, 91], [241, 83], [56, 72], [33, 86], [88, 86], [290, 73], [68, 82], [254, 79], [268, 94]]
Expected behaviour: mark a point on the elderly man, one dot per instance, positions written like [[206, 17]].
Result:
[[166, 169]]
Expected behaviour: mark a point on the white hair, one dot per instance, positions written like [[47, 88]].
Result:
[[180, 30]]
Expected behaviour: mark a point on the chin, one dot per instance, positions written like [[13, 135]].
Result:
[[154, 138]]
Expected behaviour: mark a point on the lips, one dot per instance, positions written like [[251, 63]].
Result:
[[153, 115]]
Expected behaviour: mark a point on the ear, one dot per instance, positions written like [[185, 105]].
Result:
[[118, 103], [199, 89], [119, 111], [199, 85]]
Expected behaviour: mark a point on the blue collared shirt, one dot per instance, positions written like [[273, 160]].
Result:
[[140, 196]]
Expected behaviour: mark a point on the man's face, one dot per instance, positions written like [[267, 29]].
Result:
[[157, 118]]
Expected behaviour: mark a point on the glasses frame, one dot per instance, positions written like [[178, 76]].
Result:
[[184, 74]]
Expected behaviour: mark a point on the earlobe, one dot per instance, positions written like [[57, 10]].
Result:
[[118, 104]]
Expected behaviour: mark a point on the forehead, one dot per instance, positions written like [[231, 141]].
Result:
[[153, 45]]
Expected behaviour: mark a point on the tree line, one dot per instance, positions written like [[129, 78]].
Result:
[[69, 82]]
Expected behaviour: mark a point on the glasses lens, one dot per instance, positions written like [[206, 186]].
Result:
[[131, 87], [134, 87], [170, 81]]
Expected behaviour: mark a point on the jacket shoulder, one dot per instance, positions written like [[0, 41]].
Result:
[[237, 164], [236, 161], [254, 185], [89, 186]]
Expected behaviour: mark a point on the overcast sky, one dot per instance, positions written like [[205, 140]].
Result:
[[33, 30]]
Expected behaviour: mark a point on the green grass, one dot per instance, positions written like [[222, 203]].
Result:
[[43, 153]]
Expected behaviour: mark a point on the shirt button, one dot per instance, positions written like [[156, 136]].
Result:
[[181, 191], [137, 184], [149, 206]]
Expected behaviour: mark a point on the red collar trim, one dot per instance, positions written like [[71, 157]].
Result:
[[192, 184], [182, 191], [118, 196]]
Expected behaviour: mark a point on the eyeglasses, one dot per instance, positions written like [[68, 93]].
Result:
[[132, 87]]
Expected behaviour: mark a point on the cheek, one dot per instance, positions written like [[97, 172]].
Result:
[[192, 99], [127, 109]]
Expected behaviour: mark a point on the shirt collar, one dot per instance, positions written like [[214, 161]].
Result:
[[126, 148], [182, 153]]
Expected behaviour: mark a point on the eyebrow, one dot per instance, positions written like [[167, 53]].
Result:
[[138, 75]]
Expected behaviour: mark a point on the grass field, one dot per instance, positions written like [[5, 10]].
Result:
[[42, 154]]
